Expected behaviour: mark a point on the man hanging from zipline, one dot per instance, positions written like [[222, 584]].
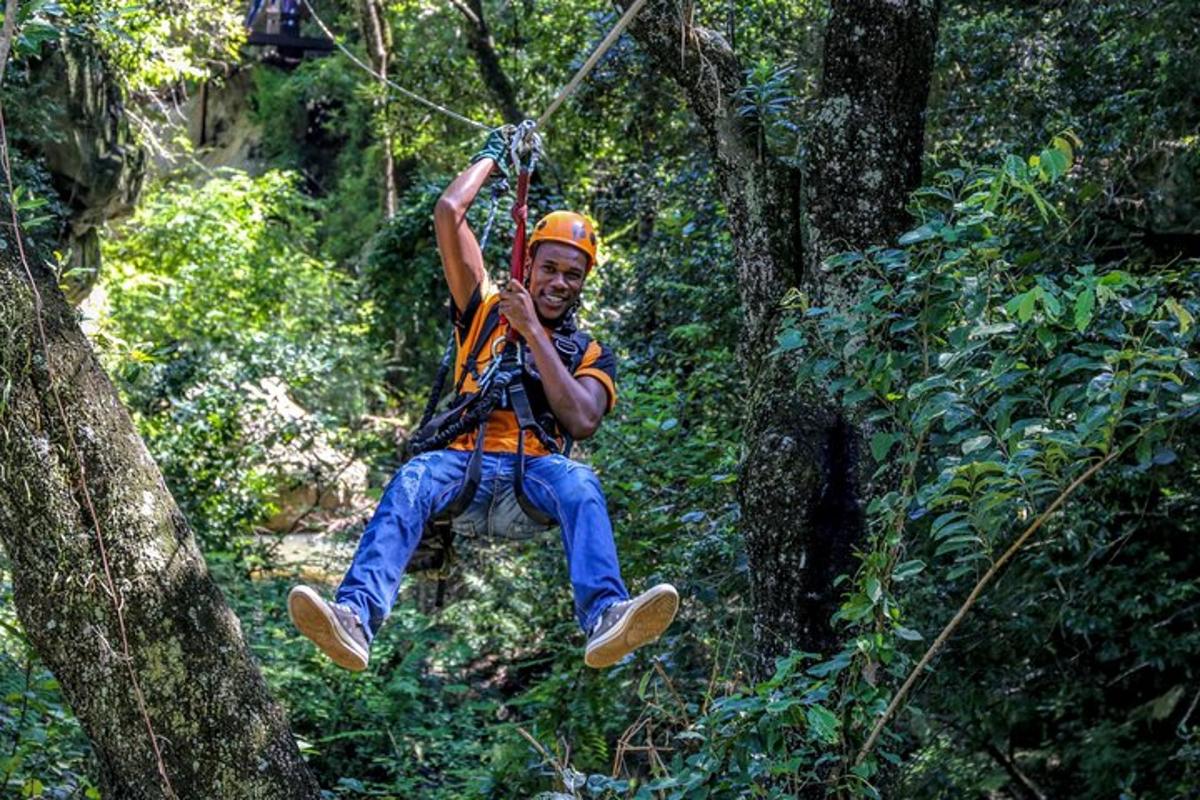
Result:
[[528, 381]]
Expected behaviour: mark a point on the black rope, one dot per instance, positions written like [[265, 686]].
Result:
[[476, 412], [439, 382], [499, 187]]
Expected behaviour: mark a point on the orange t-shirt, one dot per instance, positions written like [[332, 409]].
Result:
[[501, 437]]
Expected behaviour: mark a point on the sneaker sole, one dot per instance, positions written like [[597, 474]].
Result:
[[643, 624], [312, 617]]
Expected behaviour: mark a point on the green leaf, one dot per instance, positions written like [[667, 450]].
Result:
[[1085, 304], [1051, 305], [1015, 168], [921, 234], [881, 444], [1053, 163], [908, 634], [959, 571], [643, 684], [1063, 145], [907, 569], [823, 724], [976, 443], [1026, 306], [1143, 452], [1182, 315], [874, 589], [790, 339], [993, 329]]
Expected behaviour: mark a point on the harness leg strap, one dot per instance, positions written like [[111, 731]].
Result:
[[531, 511], [471, 480]]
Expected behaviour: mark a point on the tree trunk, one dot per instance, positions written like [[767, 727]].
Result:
[[799, 482], [483, 45], [219, 732], [868, 131], [378, 39]]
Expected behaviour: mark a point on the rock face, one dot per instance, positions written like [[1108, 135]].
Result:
[[222, 126], [94, 160], [316, 484]]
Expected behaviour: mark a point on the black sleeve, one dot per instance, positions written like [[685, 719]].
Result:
[[461, 320]]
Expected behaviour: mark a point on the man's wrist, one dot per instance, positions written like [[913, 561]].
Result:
[[538, 335]]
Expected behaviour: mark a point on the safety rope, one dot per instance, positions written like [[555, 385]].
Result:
[[367, 67], [498, 188], [109, 584], [596, 55]]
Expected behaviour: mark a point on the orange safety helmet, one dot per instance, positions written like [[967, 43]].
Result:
[[569, 228]]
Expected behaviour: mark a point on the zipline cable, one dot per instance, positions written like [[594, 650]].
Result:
[[563, 94], [367, 67], [596, 55]]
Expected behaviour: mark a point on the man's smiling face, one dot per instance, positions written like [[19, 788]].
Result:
[[556, 278]]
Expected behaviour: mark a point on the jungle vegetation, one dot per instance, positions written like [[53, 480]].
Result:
[[905, 298]]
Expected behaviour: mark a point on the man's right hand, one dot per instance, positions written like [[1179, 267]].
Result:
[[496, 148]]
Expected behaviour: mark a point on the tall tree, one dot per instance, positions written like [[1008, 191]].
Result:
[[801, 470], [378, 38], [483, 45], [108, 582]]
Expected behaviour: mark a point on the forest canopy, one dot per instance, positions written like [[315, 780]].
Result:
[[904, 303]]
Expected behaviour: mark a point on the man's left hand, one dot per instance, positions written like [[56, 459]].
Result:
[[516, 304]]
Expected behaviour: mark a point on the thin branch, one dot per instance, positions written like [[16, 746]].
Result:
[[958, 617], [466, 12]]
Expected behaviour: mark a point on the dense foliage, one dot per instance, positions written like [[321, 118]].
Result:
[[1038, 321], [197, 373]]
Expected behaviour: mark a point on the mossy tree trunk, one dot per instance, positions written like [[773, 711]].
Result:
[[219, 732], [801, 469]]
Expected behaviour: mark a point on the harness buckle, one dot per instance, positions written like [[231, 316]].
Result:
[[566, 345]]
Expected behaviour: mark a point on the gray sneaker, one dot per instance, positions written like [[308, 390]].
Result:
[[333, 628], [627, 625]]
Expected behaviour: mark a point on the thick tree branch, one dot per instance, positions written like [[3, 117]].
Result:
[[377, 37], [483, 45], [762, 194], [868, 130], [6, 34]]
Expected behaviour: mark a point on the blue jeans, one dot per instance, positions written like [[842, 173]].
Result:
[[561, 488]]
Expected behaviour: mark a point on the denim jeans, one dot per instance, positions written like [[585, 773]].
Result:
[[561, 488]]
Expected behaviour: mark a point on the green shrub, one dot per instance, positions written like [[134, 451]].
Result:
[[210, 291]]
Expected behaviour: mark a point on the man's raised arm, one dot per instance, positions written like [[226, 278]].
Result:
[[462, 259]]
